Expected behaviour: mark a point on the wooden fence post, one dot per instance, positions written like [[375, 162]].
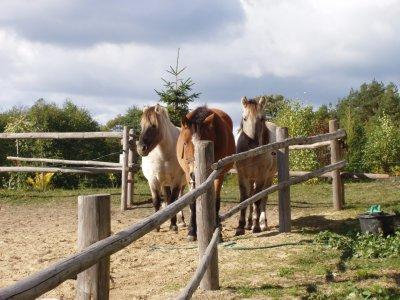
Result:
[[124, 173], [206, 212], [337, 184], [131, 161], [285, 221], [93, 225]]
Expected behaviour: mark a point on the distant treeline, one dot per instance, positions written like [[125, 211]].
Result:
[[370, 115]]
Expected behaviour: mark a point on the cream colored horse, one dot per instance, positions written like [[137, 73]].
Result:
[[157, 146], [255, 173]]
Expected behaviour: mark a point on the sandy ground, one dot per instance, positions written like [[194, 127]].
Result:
[[156, 266]]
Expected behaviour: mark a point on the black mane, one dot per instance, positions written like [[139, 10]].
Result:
[[199, 115]]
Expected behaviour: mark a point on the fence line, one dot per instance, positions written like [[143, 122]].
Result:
[[125, 167], [50, 277], [61, 135], [66, 161], [283, 184], [312, 146], [78, 170], [278, 145]]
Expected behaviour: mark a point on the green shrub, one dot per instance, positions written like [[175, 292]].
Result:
[[300, 121], [362, 245], [382, 148]]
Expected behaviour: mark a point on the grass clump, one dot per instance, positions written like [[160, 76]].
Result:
[[285, 272], [361, 245]]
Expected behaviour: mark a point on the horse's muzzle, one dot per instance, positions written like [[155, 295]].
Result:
[[142, 149]]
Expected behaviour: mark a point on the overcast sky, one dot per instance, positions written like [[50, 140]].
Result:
[[109, 55]]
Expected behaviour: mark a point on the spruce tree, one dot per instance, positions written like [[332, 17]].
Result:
[[177, 93]]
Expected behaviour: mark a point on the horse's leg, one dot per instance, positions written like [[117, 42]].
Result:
[[263, 214], [156, 198], [192, 229], [263, 207], [217, 186], [170, 198], [257, 210], [250, 215], [180, 216], [244, 192]]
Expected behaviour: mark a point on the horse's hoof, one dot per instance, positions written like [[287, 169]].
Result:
[[264, 228], [239, 231], [248, 227], [182, 224], [256, 229], [191, 238], [173, 228]]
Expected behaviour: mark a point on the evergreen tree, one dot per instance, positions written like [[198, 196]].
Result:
[[177, 94]]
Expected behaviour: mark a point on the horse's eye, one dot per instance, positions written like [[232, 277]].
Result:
[[154, 126], [244, 118]]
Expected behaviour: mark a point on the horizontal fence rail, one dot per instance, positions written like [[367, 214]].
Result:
[[276, 187], [278, 145], [77, 170], [61, 135], [202, 267], [65, 161], [311, 146], [52, 276]]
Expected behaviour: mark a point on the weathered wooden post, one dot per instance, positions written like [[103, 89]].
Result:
[[93, 225], [206, 212], [131, 173], [285, 222], [337, 184], [124, 175]]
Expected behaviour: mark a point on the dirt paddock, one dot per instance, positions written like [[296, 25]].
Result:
[[158, 265]]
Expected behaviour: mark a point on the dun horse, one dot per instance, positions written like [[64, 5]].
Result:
[[157, 146], [204, 124], [256, 173]]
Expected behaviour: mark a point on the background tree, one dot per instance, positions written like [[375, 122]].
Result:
[[275, 103], [361, 114], [177, 94], [131, 119]]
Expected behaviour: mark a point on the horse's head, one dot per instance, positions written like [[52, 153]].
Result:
[[151, 128], [253, 120], [195, 126]]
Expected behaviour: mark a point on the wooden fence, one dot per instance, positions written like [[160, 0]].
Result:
[[126, 165], [206, 274]]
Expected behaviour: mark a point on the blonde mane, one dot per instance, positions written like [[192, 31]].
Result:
[[155, 115]]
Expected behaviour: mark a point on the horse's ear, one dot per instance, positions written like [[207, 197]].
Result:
[[262, 102], [209, 121], [158, 108], [184, 121], [244, 101], [146, 108]]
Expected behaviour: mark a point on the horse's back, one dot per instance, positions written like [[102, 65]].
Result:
[[225, 117]]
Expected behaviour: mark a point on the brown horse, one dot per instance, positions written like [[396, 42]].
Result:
[[204, 124], [254, 173]]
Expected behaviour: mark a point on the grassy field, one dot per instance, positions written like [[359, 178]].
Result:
[[272, 265]]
